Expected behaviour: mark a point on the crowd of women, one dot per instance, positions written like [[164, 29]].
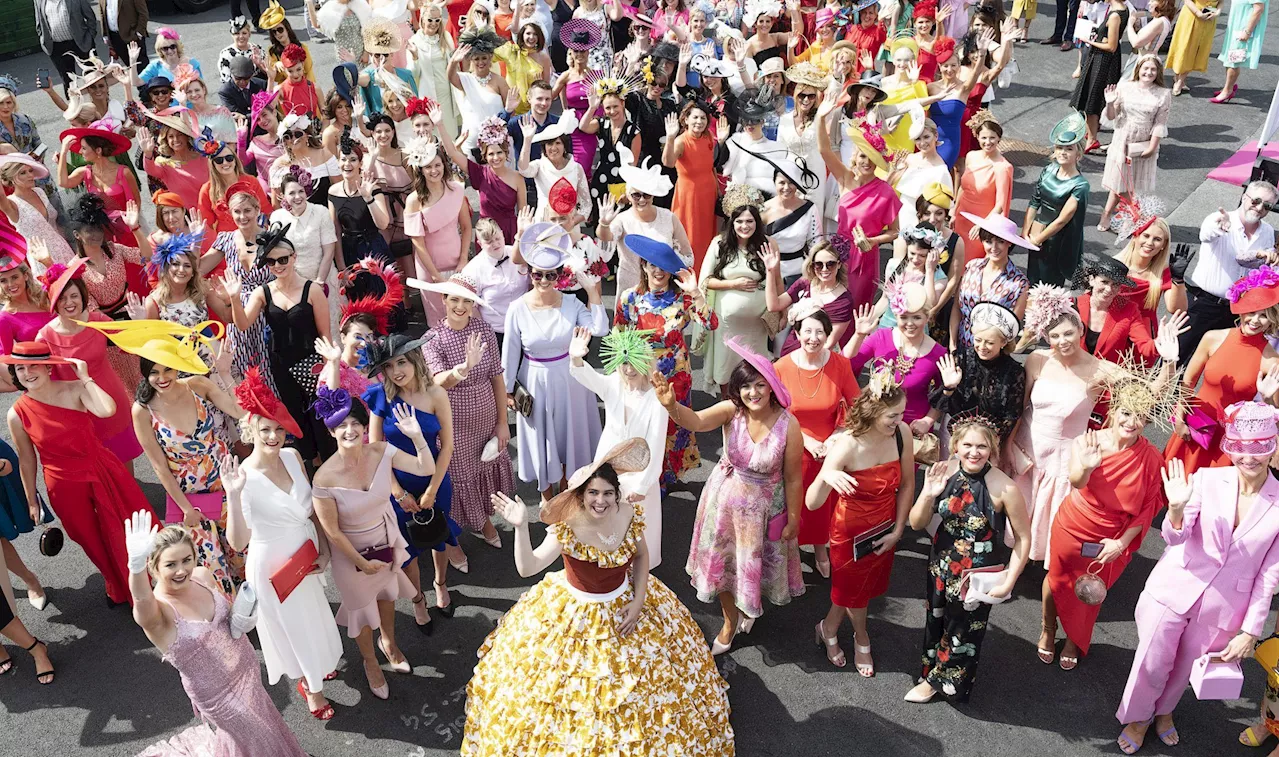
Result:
[[810, 201]]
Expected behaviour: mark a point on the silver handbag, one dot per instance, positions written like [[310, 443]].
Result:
[[244, 611]]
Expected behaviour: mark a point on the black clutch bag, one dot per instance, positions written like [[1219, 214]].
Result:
[[51, 540], [522, 400], [428, 528]]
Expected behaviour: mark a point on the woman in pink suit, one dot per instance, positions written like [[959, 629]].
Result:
[[1212, 588]]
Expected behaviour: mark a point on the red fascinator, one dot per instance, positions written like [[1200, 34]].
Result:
[[256, 398], [292, 55], [926, 9], [562, 197], [240, 186], [58, 277], [943, 49], [380, 306], [419, 106]]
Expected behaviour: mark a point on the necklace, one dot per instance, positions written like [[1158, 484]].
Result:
[[610, 540], [484, 81]]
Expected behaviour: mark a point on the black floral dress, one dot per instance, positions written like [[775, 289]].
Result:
[[994, 388], [1099, 70], [968, 537]]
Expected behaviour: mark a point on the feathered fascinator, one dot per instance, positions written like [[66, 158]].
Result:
[[738, 196], [924, 234], [420, 106], [1045, 304], [1145, 392], [881, 381], [293, 122], [256, 398], [347, 145], [1256, 291], [756, 8], [1135, 214], [925, 9], [482, 40], [493, 131], [905, 297], [420, 151], [89, 210], [292, 55], [606, 84], [183, 75], [268, 239], [332, 406], [176, 246], [206, 145], [353, 281], [381, 36], [755, 103], [628, 346], [980, 117]]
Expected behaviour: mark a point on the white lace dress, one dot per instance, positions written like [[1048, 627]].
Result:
[[41, 223]]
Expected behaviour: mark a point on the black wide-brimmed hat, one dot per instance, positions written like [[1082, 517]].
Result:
[[378, 352], [1108, 268]]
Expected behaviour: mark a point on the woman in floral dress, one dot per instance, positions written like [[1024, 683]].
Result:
[[662, 304], [744, 546], [464, 358], [973, 500], [248, 347]]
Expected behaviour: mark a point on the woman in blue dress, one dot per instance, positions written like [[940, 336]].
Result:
[[15, 520], [405, 380], [950, 94]]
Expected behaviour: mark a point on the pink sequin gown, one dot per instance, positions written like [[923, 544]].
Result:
[[223, 678]]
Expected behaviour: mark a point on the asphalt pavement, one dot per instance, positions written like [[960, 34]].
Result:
[[114, 695]]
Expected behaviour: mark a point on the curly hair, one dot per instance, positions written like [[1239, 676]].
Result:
[[867, 407]]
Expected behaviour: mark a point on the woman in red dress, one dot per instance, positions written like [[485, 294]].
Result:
[[1116, 491], [822, 385], [1237, 364], [90, 490], [873, 472], [1147, 256]]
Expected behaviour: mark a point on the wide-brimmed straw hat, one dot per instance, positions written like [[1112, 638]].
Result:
[[628, 456], [175, 118]]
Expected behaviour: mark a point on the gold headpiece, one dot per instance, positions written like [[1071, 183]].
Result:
[[1131, 385], [882, 381], [979, 118], [272, 17], [738, 196]]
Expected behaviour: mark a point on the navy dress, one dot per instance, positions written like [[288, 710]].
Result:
[[376, 398]]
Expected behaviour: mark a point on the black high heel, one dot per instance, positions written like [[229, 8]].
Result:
[[428, 628], [447, 610], [48, 674]]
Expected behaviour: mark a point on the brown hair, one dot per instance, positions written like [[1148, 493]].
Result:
[[169, 536], [842, 271], [421, 375], [867, 407], [196, 291]]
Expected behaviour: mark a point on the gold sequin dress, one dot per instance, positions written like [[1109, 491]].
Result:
[[555, 678]]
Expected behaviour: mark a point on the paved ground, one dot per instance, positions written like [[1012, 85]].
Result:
[[114, 695]]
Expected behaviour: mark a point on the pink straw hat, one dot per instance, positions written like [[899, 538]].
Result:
[[1001, 226]]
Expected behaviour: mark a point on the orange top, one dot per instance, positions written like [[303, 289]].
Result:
[[818, 398], [1230, 376], [983, 185]]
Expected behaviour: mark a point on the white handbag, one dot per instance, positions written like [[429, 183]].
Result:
[[244, 611]]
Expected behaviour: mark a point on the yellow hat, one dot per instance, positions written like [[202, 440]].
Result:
[[272, 17], [162, 342], [902, 42], [937, 194], [866, 148]]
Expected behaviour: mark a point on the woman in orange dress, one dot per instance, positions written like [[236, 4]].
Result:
[[985, 185], [690, 149], [1237, 364], [873, 473], [822, 384], [1116, 491]]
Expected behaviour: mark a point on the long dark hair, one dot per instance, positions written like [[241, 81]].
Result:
[[729, 244], [606, 472], [276, 47], [145, 391]]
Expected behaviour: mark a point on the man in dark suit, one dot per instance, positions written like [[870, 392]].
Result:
[[67, 28], [125, 21], [237, 94]]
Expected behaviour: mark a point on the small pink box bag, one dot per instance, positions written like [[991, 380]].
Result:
[[1211, 678]]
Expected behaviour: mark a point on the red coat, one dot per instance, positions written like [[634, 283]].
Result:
[[1125, 329]]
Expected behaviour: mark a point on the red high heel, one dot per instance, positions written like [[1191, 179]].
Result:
[[1219, 99], [324, 713]]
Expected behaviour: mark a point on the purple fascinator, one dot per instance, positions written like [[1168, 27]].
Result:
[[332, 406], [1263, 276]]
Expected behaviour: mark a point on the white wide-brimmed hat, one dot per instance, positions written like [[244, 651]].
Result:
[[646, 178], [458, 285]]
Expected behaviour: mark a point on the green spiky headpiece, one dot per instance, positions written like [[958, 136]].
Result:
[[629, 346]]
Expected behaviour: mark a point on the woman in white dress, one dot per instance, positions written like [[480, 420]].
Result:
[[30, 211], [631, 409], [917, 170], [556, 164], [484, 92], [314, 238], [797, 130], [643, 218], [270, 514], [1139, 106], [429, 50], [793, 216]]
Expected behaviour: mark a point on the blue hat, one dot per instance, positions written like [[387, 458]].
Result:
[[545, 258], [345, 76], [655, 252], [862, 5]]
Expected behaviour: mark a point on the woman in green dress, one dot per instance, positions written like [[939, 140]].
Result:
[[1242, 43], [1056, 213]]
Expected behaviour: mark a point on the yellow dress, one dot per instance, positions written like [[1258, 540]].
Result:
[[900, 138], [1024, 9], [521, 71], [555, 678], [1192, 40]]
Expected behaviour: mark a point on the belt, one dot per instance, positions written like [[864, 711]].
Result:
[[545, 359], [1200, 293]]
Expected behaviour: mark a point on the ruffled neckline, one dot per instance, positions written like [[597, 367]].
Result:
[[616, 558]]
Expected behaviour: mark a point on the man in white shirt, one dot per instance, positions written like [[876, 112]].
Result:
[[1231, 244], [499, 280]]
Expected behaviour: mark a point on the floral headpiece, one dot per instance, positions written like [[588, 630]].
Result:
[[1135, 214], [926, 234], [347, 145], [380, 306], [1255, 291], [646, 70], [905, 297], [1131, 385], [292, 55], [980, 117], [89, 210], [629, 346], [738, 196], [206, 145], [293, 122], [280, 173], [1045, 304], [261, 101], [420, 106], [183, 75], [973, 418], [176, 246], [420, 151], [493, 131], [881, 381], [332, 406]]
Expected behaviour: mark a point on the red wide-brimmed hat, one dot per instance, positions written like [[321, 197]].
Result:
[[120, 142], [1256, 291], [32, 353], [60, 277]]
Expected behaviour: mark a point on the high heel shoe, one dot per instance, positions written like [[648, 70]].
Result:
[[495, 541], [324, 713], [823, 567], [916, 697], [718, 648], [745, 624], [460, 565], [1220, 98], [398, 667], [835, 655], [46, 677], [422, 616], [38, 601], [445, 609], [381, 692], [1046, 655]]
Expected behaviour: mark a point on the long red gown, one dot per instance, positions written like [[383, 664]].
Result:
[[1122, 492], [90, 490], [816, 404], [854, 584], [1230, 376]]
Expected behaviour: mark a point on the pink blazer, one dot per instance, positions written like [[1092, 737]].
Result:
[[1235, 571]]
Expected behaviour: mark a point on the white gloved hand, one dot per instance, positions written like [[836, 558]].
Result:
[[139, 536], [244, 611]]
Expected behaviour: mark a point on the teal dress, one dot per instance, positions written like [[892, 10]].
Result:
[[1237, 20], [1059, 255], [373, 91], [15, 517]]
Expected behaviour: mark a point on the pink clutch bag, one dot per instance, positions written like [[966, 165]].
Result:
[[1201, 427], [777, 524], [1211, 678]]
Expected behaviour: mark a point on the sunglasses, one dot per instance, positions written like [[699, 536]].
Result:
[[806, 96], [294, 134], [639, 196], [223, 160], [823, 265], [162, 92], [1259, 202], [274, 262], [166, 48], [544, 275]]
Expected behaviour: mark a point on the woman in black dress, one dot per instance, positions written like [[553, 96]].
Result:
[[614, 130], [984, 378], [297, 313], [359, 210], [1101, 68], [650, 109]]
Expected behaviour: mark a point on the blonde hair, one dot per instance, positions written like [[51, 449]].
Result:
[[421, 375], [842, 271], [1154, 275], [1273, 319], [35, 293], [169, 536], [10, 171], [988, 433], [196, 290], [867, 407], [1159, 68], [218, 184], [487, 228]]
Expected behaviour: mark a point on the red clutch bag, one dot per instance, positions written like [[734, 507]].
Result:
[[288, 576]]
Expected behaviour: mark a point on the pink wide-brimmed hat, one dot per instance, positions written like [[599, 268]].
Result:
[[764, 366], [1250, 429], [998, 224]]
